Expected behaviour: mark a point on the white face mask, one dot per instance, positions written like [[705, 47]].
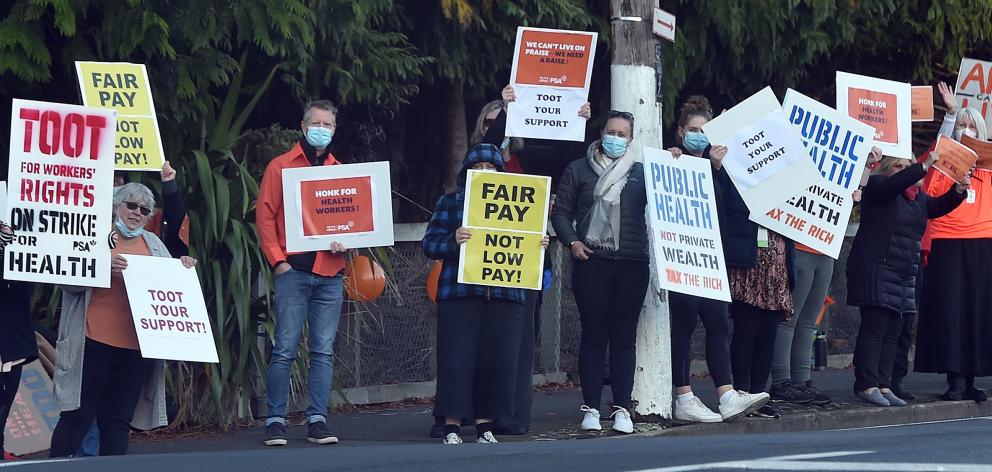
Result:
[[964, 132]]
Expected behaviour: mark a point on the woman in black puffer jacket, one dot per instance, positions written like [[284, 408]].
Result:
[[881, 270], [599, 216]]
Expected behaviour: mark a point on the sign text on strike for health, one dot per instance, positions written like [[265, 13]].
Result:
[[125, 87], [59, 193]]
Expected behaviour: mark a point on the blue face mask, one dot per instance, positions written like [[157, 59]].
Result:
[[125, 231], [319, 137], [695, 142], [614, 146]]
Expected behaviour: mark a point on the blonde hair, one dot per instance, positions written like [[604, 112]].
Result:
[[885, 166], [477, 133], [977, 118]]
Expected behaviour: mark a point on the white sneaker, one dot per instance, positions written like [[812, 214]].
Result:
[[590, 422], [487, 438], [742, 403], [452, 438], [621, 421], [696, 411]]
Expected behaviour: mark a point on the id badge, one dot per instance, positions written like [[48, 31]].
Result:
[[971, 196], [762, 237]]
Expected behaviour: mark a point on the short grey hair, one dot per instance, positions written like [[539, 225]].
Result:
[[135, 193], [325, 105]]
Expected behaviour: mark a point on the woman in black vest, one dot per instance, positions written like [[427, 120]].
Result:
[[881, 270]]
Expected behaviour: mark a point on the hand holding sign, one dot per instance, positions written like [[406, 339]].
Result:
[[462, 234]]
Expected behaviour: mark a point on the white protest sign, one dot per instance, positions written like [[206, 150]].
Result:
[[838, 146], [974, 87], [765, 157], [346, 203], [550, 76], [169, 313], [60, 193], [682, 215], [882, 104]]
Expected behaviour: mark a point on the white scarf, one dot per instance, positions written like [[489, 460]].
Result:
[[604, 218]]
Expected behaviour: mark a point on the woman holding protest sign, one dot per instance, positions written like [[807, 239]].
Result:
[[478, 328], [687, 310], [100, 373], [882, 266], [599, 216], [954, 324], [17, 341]]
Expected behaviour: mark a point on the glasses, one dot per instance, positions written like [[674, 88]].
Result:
[[317, 124], [145, 211], [620, 114]]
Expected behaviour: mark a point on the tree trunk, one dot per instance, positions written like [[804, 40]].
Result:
[[457, 131], [633, 85]]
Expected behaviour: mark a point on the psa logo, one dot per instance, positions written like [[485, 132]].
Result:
[[339, 228], [83, 245], [553, 80]]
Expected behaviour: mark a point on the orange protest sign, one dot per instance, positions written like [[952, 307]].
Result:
[[982, 148], [877, 109], [955, 159], [336, 206], [922, 103], [554, 58]]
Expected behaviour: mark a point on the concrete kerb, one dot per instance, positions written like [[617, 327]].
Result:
[[833, 420]]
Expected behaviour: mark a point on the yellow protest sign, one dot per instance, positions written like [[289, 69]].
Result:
[[508, 216], [124, 87]]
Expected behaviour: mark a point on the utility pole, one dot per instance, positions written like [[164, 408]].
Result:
[[634, 86]]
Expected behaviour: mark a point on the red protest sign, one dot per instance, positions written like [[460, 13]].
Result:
[[982, 148], [336, 206], [555, 58], [955, 159]]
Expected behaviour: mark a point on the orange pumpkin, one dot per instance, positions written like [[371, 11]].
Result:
[[364, 279], [432, 279]]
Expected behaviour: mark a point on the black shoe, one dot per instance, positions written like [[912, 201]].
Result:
[[317, 433], [976, 394], [766, 411], [955, 388], [437, 430], [275, 435], [818, 398], [901, 392], [788, 393]]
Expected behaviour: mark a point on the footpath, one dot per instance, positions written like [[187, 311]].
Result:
[[556, 417]]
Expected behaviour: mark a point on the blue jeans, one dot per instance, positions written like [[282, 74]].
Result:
[[304, 297]]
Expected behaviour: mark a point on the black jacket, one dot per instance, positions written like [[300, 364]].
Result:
[[16, 335], [574, 201], [881, 270], [538, 156]]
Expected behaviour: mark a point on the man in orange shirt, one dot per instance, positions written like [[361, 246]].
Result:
[[308, 286]]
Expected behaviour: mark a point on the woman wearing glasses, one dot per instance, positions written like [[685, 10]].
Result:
[[99, 371], [599, 216]]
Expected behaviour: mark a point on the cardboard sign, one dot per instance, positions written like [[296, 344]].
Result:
[[765, 158], [664, 24], [124, 87], [882, 104], [682, 216], [922, 103], [974, 87], [955, 159], [347, 203], [508, 217], [982, 148], [60, 193], [33, 415], [838, 147], [169, 313], [550, 76]]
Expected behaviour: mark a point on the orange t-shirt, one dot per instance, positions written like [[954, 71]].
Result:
[[108, 318], [969, 220], [805, 248]]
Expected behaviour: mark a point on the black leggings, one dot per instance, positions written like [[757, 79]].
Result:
[[9, 382], [609, 295], [875, 352], [112, 381], [753, 346], [686, 311]]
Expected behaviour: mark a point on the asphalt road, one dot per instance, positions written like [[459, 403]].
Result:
[[960, 445]]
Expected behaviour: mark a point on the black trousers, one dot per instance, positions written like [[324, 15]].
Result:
[[686, 311], [9, 382], [875, 352], [752, 346], [112, 382], [609, 294], [523, 382], [477, 345], [901, 367]]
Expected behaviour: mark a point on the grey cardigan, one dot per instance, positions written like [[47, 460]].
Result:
[[68, 379]]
